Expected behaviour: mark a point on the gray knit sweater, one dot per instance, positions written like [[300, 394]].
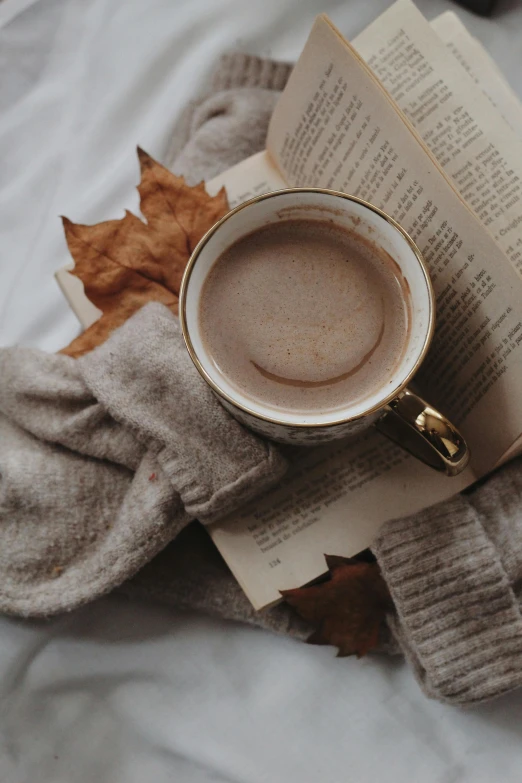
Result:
[[99, 480]]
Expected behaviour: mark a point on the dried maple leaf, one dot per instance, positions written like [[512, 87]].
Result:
[[126, 263], [164, 196], [348, 609]]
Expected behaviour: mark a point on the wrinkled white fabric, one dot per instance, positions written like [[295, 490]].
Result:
[[123, 691]]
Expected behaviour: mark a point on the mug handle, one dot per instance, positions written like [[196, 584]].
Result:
[[414, 425]]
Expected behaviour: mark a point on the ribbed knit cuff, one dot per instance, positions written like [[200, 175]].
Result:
[[244, 70], [458, 621]]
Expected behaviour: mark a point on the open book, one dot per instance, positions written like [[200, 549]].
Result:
[[417, 120]]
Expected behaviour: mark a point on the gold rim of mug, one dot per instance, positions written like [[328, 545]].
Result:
[[303, 425]]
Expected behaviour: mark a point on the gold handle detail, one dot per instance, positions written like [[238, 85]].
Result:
[[424, 432]]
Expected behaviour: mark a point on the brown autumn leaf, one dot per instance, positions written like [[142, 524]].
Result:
[[348, 609], [126, 263]]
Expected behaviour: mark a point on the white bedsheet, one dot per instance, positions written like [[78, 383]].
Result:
[[127, 692]]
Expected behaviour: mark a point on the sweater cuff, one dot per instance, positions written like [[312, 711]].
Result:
[[457, 621], [144, 378], [245, 70]]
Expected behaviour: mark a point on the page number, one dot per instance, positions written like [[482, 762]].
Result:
[[274, 563]]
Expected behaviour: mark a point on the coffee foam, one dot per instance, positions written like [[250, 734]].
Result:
[[305, 316]]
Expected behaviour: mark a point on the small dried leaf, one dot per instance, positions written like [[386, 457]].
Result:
[[348, 609]]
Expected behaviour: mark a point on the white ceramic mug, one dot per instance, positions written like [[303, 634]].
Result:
[[392, 407]]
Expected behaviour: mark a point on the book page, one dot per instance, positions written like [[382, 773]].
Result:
[[333, 501], [251, 177], [473, 143], [480, 66], [72, 288], [336, 127], [514, 451]]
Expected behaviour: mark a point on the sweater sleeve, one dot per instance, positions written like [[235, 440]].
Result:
[[229, 120], [452, 571]]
